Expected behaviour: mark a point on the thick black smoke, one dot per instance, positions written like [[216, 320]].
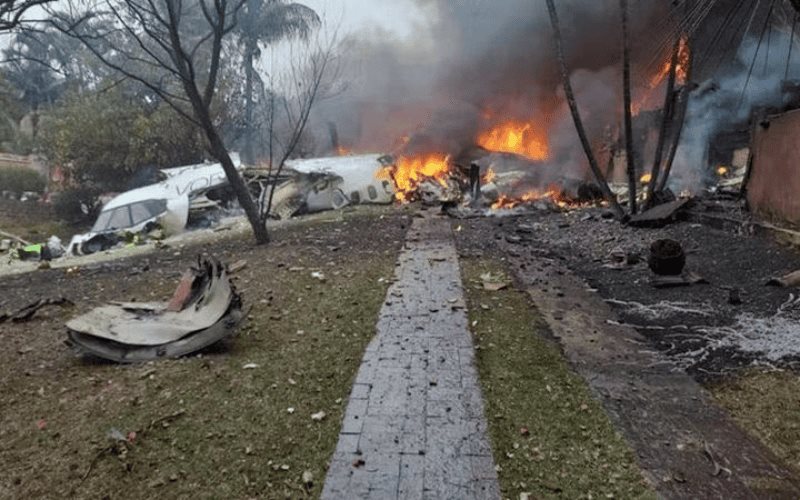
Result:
[[475, 62]]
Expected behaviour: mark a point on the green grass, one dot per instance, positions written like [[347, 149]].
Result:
[[767, 404], [551, 439], [205, 426]]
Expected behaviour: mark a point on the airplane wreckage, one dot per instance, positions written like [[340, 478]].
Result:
[[195, 196], [204, 310]]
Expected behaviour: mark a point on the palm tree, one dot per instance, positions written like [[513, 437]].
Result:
[[261, 23]]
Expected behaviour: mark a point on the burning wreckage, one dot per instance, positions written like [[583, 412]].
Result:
[[194, 196]]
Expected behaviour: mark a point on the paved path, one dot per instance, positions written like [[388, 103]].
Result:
[[414, 427]]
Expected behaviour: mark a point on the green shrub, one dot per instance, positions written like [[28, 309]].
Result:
[[77, 205], [20, 180]]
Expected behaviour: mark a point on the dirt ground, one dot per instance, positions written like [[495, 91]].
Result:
[[203, 425], [687, 323]]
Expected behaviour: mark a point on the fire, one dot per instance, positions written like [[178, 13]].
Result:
[[343, 151], [408, 172], [722, 171], [681, 71], [646, 178], [516, 137], [506, 202], [681, 76], [489, 176]]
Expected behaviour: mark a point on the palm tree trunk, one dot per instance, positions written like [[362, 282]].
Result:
[[576, 116], [666, 123], [680, 119], [626, 84]]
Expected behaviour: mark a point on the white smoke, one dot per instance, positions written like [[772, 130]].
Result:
[[728, 101]]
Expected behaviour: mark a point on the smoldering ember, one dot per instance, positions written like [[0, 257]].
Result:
[[414, 249]]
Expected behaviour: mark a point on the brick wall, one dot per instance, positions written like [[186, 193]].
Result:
[[774, 187]]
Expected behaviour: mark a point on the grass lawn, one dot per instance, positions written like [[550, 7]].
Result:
[[551, 439], [767, 404], [206, 426]]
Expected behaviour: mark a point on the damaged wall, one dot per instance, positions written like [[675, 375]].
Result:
[[774, 188]]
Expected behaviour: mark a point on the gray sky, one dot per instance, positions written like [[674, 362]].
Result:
[[395, 16]]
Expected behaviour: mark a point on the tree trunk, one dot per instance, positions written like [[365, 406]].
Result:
[[576, 116], [218, 150], [249, 76], [626, 84], [666, 123], [680, 119]]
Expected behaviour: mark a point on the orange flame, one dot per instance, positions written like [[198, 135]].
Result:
[[343, 151], [516, 137], [489, 176], [722, 171], [681, 71], [553, 194], [408, 172], [646, 178], [681, 76]]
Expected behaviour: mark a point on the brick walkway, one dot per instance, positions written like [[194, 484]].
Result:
[[414, 426]]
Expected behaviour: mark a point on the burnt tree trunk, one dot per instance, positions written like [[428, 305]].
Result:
[[626, 90], [666, 123], [576, 116], [682, 106]]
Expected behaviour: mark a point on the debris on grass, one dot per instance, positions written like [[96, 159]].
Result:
[[204, 309], [789, 281], [542, 420], [495, 282]]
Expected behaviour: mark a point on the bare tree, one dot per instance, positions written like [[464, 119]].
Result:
[[173, 48], [12, 12], [576, 116], [312, 74]]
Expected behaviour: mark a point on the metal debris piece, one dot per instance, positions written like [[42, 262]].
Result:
[[685, 279], [204, 309], [661, 215]]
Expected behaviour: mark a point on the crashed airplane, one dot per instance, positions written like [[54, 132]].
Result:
[[164, 205], [321, 184], [304, 187]]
